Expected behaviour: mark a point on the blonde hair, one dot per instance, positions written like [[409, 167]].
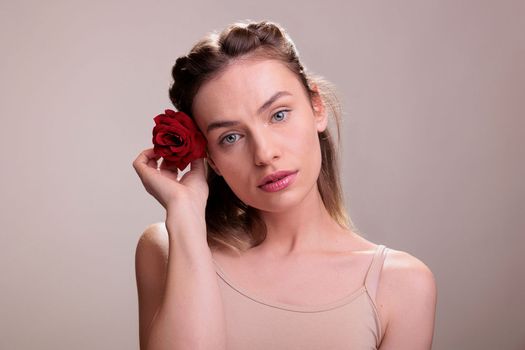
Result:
[[230, 222]]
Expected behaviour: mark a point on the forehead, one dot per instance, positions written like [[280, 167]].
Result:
[[242, 87]]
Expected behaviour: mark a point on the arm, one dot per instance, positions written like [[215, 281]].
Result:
[[151, 266], [408, 289], [179, 299]]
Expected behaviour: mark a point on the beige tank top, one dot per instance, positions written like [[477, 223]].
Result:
[[349, 323]]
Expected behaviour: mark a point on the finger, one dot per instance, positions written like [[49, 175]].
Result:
[[146, 157], [197, 166], [168, 165]]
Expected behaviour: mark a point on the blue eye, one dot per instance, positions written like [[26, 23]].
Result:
[[230, 139], [281, 115]]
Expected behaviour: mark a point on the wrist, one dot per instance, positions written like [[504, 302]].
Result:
[[185, 206], [185, 223]]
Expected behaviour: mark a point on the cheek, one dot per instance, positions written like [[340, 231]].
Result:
[[309, 151], [239, 181], [304, 141], [232, 168], [224, 161]]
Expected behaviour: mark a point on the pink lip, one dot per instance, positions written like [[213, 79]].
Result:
[[277, 181]]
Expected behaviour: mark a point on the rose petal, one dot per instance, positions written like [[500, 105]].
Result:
[[162, 151], [186, 121], [177, 138], [172, 130], [162, 119]]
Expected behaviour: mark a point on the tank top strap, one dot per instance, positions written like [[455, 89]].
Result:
[[374, 271]]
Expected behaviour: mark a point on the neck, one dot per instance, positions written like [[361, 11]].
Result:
[[308, 227]]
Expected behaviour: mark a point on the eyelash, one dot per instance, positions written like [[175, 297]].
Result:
[[222, 140]]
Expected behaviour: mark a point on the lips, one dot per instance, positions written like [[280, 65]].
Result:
[[275, 176]]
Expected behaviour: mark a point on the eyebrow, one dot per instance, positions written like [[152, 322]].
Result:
[[265, 106]]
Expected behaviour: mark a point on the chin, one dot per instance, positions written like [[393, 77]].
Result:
[[276, 202]]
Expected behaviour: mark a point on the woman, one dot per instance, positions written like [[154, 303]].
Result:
[[256, 251]]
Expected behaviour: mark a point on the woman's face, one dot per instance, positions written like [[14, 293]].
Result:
[[258, 120]]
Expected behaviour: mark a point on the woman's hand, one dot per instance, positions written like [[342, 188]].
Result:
[[190, 191]]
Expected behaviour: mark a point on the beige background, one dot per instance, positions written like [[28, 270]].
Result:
[[434, 94]]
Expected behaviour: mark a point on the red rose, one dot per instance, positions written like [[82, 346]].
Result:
[[177, 139]]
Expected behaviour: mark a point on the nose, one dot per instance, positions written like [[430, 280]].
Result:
[[265, 148]]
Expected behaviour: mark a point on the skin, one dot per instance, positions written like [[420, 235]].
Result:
[[302, 239], [282, 137]]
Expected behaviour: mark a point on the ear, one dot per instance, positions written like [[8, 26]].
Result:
[[321, 119], [212, 164]]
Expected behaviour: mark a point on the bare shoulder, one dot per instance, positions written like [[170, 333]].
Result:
[[154, 240], [151, 259], [408, 292], [406, 280], [404, 268]]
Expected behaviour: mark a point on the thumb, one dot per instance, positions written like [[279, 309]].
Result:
[[197, 166], [196, 173]]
